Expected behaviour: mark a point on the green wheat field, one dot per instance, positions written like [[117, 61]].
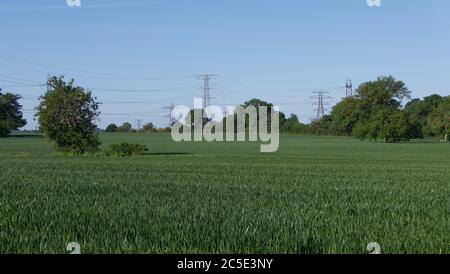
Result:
[[315, 195]]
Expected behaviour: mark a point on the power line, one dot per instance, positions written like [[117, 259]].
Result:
[[20, 79], [134, 102], [32, 83], [131, 113], [206, 86], [99, 75], [178, 99], [112, 90], [240, 91], [18, 84], [97, 89], [96, 77], [112, 113]]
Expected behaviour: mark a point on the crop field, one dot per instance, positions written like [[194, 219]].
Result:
[[315, 195]]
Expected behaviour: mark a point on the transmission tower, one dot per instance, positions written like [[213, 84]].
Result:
[[321, 97], [206, 88], [169, 116], [348, 88], [138, 121]]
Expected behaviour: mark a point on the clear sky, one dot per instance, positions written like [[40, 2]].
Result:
[[141, 55]]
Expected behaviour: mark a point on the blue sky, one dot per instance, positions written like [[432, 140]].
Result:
[[279, 51]]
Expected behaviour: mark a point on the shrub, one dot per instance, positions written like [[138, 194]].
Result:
[[126, 150]]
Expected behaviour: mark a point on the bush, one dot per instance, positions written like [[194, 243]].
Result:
[[126, 150]]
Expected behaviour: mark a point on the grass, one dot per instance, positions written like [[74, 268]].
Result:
[[315, 195]]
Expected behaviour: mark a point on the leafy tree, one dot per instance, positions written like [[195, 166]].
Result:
[[10, 113], [391, 126], [257, 103], [433, 101], [148, 127], [379, 103], [66, 116], [292, 125], [344, 116], [420, 110], [385, 92], [111, 128], [125, 127], [322, 126], [440, 119], [399, 127]]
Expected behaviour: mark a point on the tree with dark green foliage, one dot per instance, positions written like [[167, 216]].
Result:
[[292, 125], [148, 127], [379, 104], [66, 116], [322, 126], [440, 120], [344, 116], [125, 127], [420, 110], [258, 103], [111, 128], [398, 127], [11, 117]]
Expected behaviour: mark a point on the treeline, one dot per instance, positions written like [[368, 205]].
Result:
[[127, 127], [378, 111]]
